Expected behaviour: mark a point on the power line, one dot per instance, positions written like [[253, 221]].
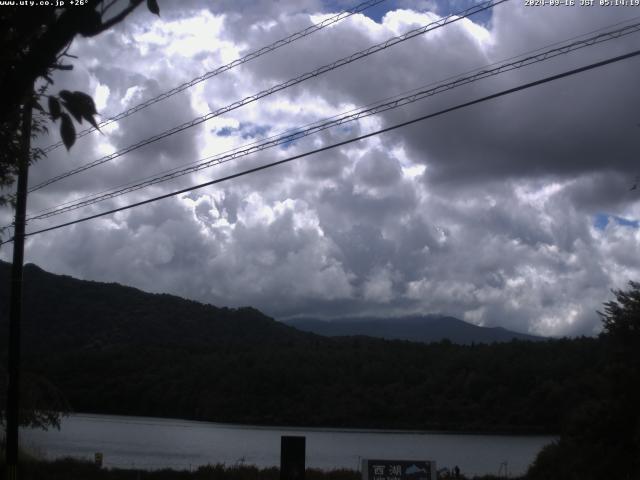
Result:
[[296, 129], [84, 197], [316, 127], [36, 215], [120, 188], [240, 61], [345, 142], [289, 83]]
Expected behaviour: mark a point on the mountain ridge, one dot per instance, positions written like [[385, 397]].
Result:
[[169, 319], [417, 328], [61, 312]]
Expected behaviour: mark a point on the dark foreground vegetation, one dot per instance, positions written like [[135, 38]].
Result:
[[601, 437], [68, 469]]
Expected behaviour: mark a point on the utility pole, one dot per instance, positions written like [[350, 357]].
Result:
[[15, 305]]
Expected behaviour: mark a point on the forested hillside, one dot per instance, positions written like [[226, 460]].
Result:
[[115, 349], [62, 313], [425, 328]]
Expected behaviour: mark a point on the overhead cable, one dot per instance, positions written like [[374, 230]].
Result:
[[345, 142], [294, 81], [393, 97], [336, 121], [240, 61]]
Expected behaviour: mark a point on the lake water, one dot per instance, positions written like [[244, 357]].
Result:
[[152, 443]]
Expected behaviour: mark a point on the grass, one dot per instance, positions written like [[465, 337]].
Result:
[[33, 468], [73, 469]]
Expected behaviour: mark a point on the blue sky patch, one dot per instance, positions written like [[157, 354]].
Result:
[[251, 130], [225, 132], [295, 135], [245, 130], [375, 13], [601, 220], [443, 7]]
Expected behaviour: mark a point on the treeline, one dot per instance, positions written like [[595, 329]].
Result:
[[351, 382]]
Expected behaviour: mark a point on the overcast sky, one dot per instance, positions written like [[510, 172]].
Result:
[[516, 212]]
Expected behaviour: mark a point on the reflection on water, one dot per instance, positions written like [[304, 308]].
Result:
[[151, 443]]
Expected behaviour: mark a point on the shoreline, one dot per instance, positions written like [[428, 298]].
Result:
[[295, 428]]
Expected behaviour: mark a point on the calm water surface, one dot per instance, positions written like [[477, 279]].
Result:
[[151, 443]]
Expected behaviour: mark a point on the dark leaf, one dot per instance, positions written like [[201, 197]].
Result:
[[80, 105], [93, 122], [73, 110], [65, 95], [153, 7], [85, 102], [67, 131], [54, 108], [88, 107]]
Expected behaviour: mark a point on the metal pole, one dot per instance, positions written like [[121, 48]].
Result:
[[15, 305]]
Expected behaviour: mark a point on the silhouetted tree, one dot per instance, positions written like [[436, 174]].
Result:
[[621, 320], [602, 437], [35, 42], [42, 404]]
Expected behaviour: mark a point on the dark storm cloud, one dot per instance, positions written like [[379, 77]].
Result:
[[377, 169], [493, 214]]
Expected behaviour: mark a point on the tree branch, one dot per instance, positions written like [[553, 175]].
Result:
[[119, 17], [44, 51]]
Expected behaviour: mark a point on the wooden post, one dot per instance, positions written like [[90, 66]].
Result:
[[15, 302], [292, 458]]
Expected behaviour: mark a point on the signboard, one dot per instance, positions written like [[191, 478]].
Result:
[[398, 470]]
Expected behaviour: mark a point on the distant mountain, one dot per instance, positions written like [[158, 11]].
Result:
[[426, 329]]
